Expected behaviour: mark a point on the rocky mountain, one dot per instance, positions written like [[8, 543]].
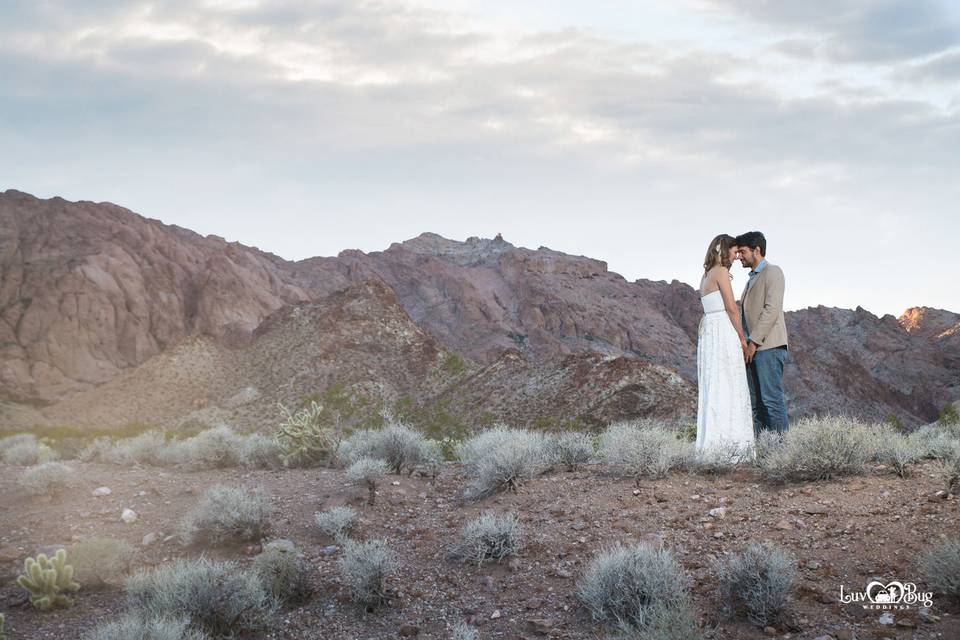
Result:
[[109, 317]]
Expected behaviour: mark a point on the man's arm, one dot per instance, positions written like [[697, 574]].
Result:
[[772, 305]]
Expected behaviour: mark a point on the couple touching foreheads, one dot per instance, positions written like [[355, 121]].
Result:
[[741, 349]]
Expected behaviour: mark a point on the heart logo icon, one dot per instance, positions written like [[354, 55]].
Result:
[[878, 592]]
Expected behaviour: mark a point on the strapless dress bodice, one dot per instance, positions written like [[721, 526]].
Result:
[[712, 302]]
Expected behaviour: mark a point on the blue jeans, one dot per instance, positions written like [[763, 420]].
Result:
[[764, 378]]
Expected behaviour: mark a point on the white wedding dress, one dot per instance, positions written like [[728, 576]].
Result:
[[724, 417]]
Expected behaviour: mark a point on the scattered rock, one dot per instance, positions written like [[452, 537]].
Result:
[[770, 631], [129, 516], [542, 626], [409, 630], [496, 614], [718, 512], [330, 549], [149, 539], [927, 616], [579, 525], [886, 618], [784, 525], [101, 491]]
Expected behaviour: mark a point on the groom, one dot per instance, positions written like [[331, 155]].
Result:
[[766, 333]]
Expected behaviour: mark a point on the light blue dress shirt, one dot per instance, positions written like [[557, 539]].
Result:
[[753, 274]]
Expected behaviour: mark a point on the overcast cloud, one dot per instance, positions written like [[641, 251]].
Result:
[[632, 134]]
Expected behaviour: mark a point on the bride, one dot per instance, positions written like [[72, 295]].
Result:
[[724, 419]]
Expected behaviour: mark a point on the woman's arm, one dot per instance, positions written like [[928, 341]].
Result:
[[730, 304]]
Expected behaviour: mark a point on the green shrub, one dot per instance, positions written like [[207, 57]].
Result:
[[367, 472], [25, 450], [397, 444], [306, 438]]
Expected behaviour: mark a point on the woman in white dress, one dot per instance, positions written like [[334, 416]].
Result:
[[724, 417]]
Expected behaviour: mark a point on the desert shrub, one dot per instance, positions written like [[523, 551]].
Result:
[[226, 515], [336, 521], [462, 631], [365, 568], [569, 449], [400, 446], [489, 536], [260, 452], [940, 568], [367, 472], [635, 587], [215, 448], [149, 448], [133, 626], [306, 438], [949, 415], [502, 458], [219, 598], [285, 574], [101, 561], [721, 458], [96, 451], [757, 581], [819, 449], [25, 450], [896, 450], [935, 441], [948, 467], [46, 479], [644, 449]]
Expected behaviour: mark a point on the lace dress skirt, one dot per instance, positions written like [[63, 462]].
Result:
[[724, 416]]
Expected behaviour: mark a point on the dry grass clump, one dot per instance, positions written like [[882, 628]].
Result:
[[571, 449], [23, 449], [133, 626], [285, 573], [228, 515], [367, 472], [940, 568]]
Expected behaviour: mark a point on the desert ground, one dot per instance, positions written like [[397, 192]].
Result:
[[842, 531]]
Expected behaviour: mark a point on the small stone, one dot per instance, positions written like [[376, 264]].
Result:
[[533, 603], [886, 618], [816, 509], [149, 539], [579, 526], [718, 512], [906, 623], [824, 637], [770, 631], [395, 483], [636, 492], [846, 634], [101, 491], [813, 565], [784, 525], [927, 616], [495, 614], [514, 564], [330, 549], [718, 534], [409, 630], [695, 496], [129, 516]]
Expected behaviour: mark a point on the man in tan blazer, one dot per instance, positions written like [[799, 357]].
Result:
[[766, 333]]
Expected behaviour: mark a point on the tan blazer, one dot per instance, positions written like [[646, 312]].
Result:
[[762, 308]]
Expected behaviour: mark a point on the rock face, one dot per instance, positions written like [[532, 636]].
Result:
[[110, 316], [90, 290]]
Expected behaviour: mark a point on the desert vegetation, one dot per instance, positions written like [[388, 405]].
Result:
[[634, 587]]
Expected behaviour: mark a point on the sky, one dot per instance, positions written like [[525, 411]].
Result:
[[630, 132]]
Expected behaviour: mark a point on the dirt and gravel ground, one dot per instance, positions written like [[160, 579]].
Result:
[[843, 532]]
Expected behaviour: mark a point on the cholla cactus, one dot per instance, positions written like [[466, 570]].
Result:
[[45, 578], [367, 472], [3, 622], [305, 440]]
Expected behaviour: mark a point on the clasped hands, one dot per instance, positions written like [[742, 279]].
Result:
[[749, 349]]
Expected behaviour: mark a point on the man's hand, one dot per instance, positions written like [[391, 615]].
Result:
[[751, 350]]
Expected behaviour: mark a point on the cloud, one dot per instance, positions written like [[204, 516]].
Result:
[[863, 31]]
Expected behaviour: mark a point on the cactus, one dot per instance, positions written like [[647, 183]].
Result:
[[46, 577], [3, 620]]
